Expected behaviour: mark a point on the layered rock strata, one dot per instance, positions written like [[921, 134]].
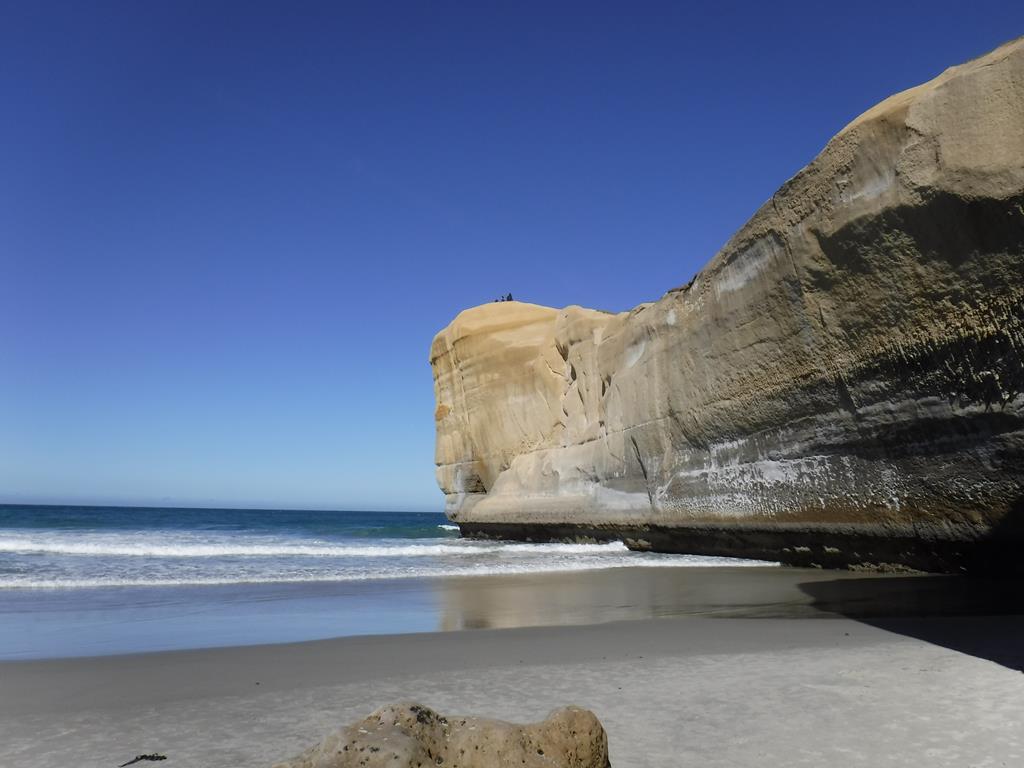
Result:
[[841, 385]]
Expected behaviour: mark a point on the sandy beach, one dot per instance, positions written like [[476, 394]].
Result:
[[804, 687], [663, 361]]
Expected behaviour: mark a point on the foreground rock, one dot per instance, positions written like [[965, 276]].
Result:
[[841, 385], [411, 735]]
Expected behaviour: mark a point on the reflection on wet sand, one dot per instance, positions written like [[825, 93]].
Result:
[[628, 594]]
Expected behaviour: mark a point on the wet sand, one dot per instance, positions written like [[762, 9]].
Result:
[[90, 622], [921, 675]]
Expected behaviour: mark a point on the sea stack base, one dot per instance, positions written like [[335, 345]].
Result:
[[992, 554]]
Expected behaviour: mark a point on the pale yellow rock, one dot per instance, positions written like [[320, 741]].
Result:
[[849, 363], [409, 735]]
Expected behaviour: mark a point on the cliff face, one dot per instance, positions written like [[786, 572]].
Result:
[[842, 384]]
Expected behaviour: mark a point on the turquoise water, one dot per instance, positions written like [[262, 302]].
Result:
[[95, 547], [86, 580], [81, 547]]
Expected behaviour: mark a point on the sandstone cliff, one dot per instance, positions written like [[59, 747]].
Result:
[[842, 384]]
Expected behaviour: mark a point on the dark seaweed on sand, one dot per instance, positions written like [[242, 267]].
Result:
[[139, 758]]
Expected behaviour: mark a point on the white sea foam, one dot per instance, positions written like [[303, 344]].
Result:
[[57, 559], [119, 547], [446, 527], [481, 569]]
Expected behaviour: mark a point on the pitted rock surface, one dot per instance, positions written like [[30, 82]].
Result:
[[842, 384], [409, 735]]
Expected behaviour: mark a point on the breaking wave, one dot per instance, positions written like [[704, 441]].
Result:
[[459, 547], [109, 548], [482, 569]]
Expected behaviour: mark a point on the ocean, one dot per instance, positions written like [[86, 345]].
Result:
[[84, 580]]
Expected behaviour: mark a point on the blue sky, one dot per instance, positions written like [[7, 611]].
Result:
[[229, 231]]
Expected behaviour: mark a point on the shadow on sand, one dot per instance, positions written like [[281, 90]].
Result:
[[979, 617]]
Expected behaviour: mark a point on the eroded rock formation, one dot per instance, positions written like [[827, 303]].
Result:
[[408, 735], [841, 385]]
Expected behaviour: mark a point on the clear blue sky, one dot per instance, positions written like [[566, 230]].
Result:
[[229, 231]]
